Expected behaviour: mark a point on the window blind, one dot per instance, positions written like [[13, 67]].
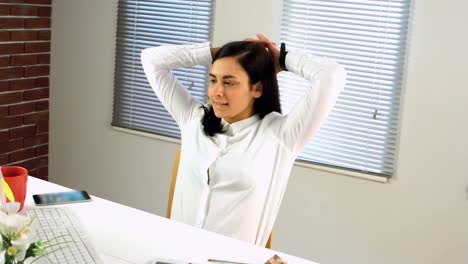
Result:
[[369, 39], [147, 23]]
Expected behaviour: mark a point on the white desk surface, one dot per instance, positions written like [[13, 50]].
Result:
[[123, 235]]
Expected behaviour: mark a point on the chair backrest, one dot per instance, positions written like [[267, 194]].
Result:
[[175, 168]]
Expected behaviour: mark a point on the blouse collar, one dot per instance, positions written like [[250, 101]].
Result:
[[236, 127]]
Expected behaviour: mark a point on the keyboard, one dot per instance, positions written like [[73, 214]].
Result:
[[59, 225]]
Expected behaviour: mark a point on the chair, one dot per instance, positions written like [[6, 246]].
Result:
[[175, 167]]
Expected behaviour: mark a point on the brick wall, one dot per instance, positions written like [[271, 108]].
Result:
[[24, 84]]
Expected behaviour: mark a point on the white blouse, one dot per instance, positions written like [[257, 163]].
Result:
[[233, 183]]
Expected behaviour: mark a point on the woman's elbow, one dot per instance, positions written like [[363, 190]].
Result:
[[337, 75], [145, 56], [154, 58]]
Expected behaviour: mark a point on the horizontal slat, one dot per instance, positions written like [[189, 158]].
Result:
[[148, 23], [350, 158], [130, 87], [179, 73], [136, 96], [348, 20], [346, 23], [129, 83], [376, 8], [354, 137], [150, 128], [189, 83], [352, 149], [196, 16], [161, 119], [172, 5], [199, 13], [170, 30], [363, 164], [149, 40], [366, 85], [348, 35]]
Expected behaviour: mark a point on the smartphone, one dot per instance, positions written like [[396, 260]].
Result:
[[61, 197]]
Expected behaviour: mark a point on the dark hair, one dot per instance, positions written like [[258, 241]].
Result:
[[258, 62]]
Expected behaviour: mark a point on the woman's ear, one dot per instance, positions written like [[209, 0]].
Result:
[[257, 90]]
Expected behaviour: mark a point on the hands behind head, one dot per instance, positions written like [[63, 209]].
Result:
[[271, 46]]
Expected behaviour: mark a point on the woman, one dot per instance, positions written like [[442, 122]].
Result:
[[238, 150]]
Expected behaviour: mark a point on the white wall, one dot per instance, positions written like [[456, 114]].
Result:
[[420, 216]]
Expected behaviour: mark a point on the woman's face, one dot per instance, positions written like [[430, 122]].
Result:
[[230, 92]]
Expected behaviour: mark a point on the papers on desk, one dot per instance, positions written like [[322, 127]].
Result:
[[273, 260]]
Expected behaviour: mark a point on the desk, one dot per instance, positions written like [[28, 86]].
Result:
[[123, 235]]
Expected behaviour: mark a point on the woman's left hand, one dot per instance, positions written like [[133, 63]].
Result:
[[271, 46]]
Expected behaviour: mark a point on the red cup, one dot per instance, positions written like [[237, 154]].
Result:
[[17, 179]]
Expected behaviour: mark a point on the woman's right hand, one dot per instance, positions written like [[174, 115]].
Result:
[[271, 46]]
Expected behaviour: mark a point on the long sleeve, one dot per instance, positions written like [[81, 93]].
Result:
[[295, 129], [304, 120], [159, 61]]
